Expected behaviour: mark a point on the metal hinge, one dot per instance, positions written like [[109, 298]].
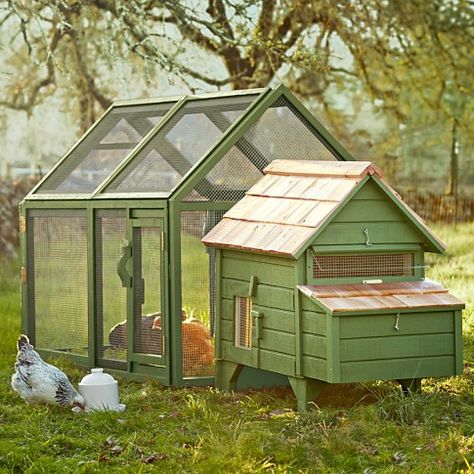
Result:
[[163, 243], [23, 275], [22, 224]]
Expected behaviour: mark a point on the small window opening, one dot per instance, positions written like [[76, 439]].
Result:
[[243, 322], [347, 266]]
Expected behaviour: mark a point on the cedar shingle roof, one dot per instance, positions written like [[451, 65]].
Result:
[[382, 296], [283, 210]]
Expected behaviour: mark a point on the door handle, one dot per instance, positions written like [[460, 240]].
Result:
[[122, 271]]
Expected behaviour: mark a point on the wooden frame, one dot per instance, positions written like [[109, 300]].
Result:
[[146, 205]]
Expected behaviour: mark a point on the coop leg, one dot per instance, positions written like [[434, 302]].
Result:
[[410, 385], [227, 374], [305, 390]]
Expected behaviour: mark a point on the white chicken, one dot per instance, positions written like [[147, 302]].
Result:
[[39, 382]]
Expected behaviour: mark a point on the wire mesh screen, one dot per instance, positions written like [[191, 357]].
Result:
[[100, 152], [243, 322], [57, 279], [198, 292], [111, 297], [147, 277], [172, 152], [346, 266], [280, 133]]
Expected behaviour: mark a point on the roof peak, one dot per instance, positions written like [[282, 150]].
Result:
[[341, 169]]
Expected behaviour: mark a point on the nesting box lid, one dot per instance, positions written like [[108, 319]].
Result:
[[383, 296], [295, 200]]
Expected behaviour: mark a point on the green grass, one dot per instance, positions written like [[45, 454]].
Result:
[[355, 428]]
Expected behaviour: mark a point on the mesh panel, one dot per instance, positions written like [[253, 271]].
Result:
[[58, 280], [147, 290], [346, 266], [198, 292], [94, 159], [243, 322], [280, 133], [192, 130], [153, 174], [111, 298]]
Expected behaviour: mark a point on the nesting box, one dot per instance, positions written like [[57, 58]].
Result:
[[322, 279], [114, 271]]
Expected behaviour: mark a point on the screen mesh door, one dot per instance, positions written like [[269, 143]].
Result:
[[57, 280], [111, 297], [198, 271], [147, 290]]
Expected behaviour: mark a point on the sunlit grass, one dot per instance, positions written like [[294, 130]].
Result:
[[202, 430]]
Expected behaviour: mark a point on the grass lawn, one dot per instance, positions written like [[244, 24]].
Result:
[[360, 428]]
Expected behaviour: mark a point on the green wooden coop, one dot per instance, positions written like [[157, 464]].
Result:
[[321, 278], [114, 271]]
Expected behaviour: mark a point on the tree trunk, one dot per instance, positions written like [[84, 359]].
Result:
[[453, 180]]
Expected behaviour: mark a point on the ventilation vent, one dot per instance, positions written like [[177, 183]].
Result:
[[347, 266], [243, 322]]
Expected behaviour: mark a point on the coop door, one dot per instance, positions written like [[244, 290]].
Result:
[[147, 346]]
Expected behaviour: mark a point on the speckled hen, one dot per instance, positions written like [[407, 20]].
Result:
[[38, 382]]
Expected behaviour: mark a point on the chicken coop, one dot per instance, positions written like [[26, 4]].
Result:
[[321, 278], [114, 273]]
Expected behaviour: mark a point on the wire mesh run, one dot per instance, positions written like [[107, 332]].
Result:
[[243, 322], [347, 266], [198, 292], [111, 297], [280, 133], [176, 147], [101, 151], [57, 280], [147, 283]]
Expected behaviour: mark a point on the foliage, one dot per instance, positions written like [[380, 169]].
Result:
[[383, 47], [202, 430]]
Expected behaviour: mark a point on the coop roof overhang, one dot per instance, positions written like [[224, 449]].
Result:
[[351, 299], [294, 202]]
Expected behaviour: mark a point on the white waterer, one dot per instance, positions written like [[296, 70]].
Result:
[[100, 391]]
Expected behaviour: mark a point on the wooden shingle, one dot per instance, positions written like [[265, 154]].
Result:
[[292, 202]]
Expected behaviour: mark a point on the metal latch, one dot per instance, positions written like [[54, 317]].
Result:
[[397, 322]]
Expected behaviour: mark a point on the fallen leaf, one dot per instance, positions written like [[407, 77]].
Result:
[[116, 449], [400, 458], [154, 457]]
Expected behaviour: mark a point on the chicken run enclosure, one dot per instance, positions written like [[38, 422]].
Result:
[[114, 273]]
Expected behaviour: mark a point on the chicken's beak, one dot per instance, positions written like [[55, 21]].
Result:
[[79, 402]]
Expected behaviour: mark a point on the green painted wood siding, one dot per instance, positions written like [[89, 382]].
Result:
[[274, 298], [371, 349], [314, 340], [369, 208]]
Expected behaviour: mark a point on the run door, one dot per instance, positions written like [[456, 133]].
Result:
[[143, 270]]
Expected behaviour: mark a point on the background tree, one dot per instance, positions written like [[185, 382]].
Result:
[[411, 60]]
